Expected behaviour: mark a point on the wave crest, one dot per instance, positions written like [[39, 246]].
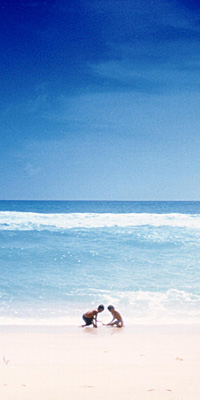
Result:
[[35, 221]]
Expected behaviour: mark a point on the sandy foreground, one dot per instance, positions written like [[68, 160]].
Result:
[[159, 362]]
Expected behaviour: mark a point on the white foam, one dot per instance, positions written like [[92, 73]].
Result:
[[156, 307], [142, 307], [36, 221]]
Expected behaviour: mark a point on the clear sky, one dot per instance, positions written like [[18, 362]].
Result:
[[100, 99]]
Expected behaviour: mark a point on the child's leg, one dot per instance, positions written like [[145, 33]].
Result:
[[88, 321], [113, 323]]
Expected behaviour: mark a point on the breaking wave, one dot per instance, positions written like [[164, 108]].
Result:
[[23, 221]]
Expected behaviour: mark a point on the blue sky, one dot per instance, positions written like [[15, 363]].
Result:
[[100, 100]]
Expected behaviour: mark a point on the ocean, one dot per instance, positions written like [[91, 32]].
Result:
[[59, 259]]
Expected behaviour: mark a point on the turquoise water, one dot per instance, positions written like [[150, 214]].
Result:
[[59, 259]]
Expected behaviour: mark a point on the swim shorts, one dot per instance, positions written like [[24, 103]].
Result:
[[87, 320]]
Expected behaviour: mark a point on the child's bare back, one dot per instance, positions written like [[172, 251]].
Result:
[[90, 317]]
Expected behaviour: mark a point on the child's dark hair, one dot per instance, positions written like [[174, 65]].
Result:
[[111, 308], [101, 307]]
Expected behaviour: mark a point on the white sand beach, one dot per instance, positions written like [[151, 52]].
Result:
[[139, 362]]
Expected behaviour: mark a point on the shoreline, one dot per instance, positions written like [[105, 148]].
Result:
[[137, 328]]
